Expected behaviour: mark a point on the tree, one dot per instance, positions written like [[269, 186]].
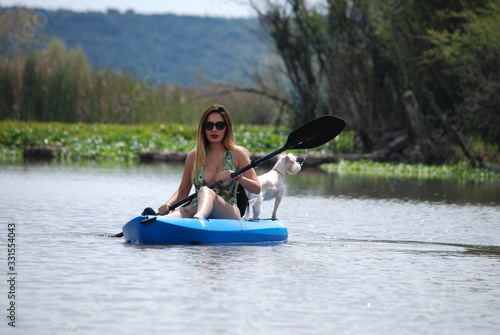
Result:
[[379, 64], [470, 57], [294, 31]]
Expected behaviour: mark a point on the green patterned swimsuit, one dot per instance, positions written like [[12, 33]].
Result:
[[227, 191]]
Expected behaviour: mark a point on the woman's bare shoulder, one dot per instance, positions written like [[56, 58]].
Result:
[[240, 155], [240, 151], [191, 155]]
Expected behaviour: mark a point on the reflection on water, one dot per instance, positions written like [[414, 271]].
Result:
[[364, 256], [315, 182]]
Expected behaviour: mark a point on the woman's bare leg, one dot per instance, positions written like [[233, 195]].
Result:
[[183, 212], [212, 205]]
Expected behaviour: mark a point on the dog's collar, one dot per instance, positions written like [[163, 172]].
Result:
[[281, 174]]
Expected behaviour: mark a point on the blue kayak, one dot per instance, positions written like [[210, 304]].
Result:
[[168, 230]]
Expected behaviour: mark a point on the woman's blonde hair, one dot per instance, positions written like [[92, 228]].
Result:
[[202, 141]]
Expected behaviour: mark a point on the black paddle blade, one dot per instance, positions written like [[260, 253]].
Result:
[[315, 133]]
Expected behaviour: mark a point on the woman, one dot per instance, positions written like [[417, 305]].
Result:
[[215, 158]]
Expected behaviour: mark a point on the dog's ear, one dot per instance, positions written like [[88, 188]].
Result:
[[287, 158]]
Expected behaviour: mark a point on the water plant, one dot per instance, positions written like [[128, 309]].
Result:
[[462, 171], [125, 142]]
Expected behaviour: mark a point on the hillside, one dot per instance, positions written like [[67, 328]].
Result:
[[164, 47]]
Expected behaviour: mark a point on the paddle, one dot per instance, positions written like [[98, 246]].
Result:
[[311, 135]]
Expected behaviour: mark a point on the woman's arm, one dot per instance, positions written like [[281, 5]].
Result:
[[185, 186], [249, 178]]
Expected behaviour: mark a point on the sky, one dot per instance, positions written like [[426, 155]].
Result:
[[216, 8]]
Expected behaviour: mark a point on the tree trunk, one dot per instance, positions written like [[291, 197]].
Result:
[[414, 114], [454, 133]]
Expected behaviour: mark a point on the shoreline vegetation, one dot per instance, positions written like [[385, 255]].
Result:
[[97, 141], [421, 88], [73, 142]]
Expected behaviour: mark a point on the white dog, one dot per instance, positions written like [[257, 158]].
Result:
[[273, 185]]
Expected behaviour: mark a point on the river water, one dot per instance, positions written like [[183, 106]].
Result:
[[364, 256]]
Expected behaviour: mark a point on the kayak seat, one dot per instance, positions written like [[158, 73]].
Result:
[[241, 199]]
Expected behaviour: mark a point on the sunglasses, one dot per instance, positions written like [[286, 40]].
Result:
[[210, 125]]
